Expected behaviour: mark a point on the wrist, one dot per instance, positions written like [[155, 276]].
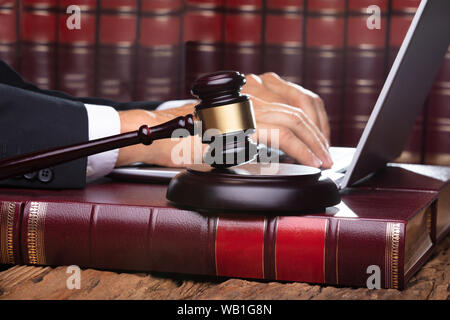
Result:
[[131, 120]]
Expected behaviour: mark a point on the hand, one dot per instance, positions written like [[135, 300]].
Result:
[[271, 88], [160, 151], [296, 112], [298, 136]]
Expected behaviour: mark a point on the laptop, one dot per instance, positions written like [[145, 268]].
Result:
[[394, 114]]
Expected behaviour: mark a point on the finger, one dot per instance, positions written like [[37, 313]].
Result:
[[255, 87], [262, 106], [287, 141], [300, 113], [301, 129], [293, 94], [319, 107]]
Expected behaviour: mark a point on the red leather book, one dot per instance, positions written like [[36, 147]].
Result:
[[365, 66], [402, 13], [203, 35], [283, 52], [159, 56], [128, 226], [8, 32], [243, 35], [437, 144], [38, 42], [116, 49], [76, 50], [324, 60]]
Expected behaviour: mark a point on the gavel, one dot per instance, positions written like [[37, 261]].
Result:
[[222, 110]]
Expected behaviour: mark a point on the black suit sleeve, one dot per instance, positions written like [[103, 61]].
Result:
[[32, 119], [12, 78]]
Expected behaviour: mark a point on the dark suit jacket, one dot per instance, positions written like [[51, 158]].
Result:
[[33, 119]]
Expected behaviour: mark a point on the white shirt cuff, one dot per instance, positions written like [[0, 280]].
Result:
[[175, 104], [103, 121]]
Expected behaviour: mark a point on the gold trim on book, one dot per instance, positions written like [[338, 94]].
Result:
[[325, 82], [206, 13], [392, 255], [442, 121], [327, 54], [316, 13], [374, 50], [442, 88], [7, 6], [6, 232], [7, 46], [327, 90], [365, 54], [288, 9], [246, 9], [337, 252], [429, 222], [205, 47], [442, 128], [35, 233], [366, 82]]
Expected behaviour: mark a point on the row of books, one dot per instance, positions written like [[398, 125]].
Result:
[[390, 223], [153, 50]]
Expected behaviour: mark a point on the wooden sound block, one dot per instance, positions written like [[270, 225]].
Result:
[[253, 187]]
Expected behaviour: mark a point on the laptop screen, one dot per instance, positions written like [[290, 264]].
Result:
[[404, 92]]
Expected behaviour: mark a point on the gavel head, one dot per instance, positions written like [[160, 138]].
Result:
[[227, 118]]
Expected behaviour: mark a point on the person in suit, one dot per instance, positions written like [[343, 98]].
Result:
[[33, 119]]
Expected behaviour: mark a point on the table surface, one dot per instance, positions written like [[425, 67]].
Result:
[[30, 282]]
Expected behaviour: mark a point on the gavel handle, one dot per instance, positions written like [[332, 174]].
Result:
[[43, 159]]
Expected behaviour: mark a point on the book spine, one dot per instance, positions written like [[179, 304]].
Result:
[[243, 35], [324, 60], [289, 248], [116, 49], [283, 39], [38, 36], [159, 53], [437, 144], [10, 221], [203, 36], [402, 13], [365, 66], [76, 49], [8, 32]]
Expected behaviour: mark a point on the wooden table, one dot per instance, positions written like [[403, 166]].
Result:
[[28, 282]]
